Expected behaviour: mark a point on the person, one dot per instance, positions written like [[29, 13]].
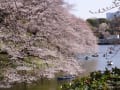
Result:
[[86, 58]]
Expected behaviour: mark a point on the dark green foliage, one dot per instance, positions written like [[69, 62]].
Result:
[[97, 22], [107, 80], [107, 72], [66, 87], [93, 22], [116, 70], [102, 20]]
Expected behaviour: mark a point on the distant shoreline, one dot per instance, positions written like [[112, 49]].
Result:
[[108, 41]]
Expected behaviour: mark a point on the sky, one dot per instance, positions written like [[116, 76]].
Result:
[[81, 8]]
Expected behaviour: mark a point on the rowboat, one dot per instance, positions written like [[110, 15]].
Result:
[[109, 63], [67, 77]]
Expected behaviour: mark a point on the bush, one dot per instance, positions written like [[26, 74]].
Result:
[[97, 81]]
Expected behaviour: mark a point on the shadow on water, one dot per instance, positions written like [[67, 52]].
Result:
[[44, 84], [39, 85]]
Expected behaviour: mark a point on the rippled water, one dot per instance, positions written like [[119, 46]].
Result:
[[92, 64], [100, 63]]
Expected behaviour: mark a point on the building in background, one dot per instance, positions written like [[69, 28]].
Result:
[[112, 15]]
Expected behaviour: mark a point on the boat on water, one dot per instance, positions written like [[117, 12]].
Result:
[[86, 58], [66, 77], [95, 55], [109, 63]]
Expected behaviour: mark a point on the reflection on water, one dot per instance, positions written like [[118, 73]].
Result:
[[89, 66], [39, 85], [100, 63], [92, 64], [114, 57]]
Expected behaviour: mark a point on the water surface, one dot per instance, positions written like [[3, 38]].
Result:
[[100, 63]]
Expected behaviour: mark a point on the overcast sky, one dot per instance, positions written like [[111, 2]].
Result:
[[82, 7]]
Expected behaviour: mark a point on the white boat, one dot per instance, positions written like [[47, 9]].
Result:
[[109, 63]]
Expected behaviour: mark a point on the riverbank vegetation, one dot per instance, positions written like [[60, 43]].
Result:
[[98, 80]]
